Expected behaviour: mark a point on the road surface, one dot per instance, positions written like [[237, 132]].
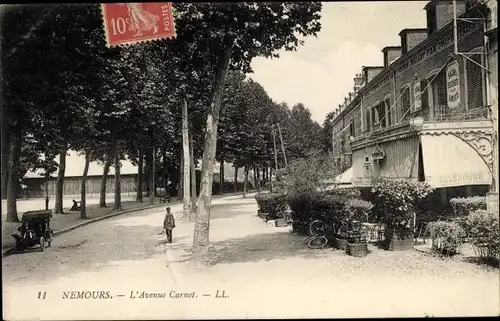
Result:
[[117, 269]]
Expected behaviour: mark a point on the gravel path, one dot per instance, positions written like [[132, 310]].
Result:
[[262, 271]]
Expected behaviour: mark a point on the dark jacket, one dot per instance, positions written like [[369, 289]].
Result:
[[169, 222]]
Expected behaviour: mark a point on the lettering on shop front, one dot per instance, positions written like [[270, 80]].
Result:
[[453, 85]]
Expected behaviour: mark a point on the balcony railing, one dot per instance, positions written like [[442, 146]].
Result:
[[444, 114]]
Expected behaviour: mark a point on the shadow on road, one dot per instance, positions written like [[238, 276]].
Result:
[[258, 247], [227, 210]]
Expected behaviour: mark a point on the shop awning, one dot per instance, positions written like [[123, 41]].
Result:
[[345, 177], [449, 161]]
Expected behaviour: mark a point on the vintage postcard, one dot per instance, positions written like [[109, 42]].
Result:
[[248, 160]]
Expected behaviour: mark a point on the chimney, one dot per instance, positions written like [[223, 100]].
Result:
[[370, 72], [410, 38], [358, 82], [390, 55], [440, 13]]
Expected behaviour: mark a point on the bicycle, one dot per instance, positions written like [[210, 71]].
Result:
[[317, 238]]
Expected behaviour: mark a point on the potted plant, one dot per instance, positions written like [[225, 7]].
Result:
[[356, 241], [341, 232], [395, 200], [357, 211]]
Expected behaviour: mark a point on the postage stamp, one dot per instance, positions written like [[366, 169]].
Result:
[[128, 23]]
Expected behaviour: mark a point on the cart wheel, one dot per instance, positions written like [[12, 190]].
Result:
[[42, 243], [49, 242]]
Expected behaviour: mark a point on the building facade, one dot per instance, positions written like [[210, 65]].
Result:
[[423, 114]]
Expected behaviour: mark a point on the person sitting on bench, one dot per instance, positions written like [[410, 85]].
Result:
[[75, 206]]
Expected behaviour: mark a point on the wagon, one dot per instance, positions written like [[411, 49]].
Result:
[[34, 230]]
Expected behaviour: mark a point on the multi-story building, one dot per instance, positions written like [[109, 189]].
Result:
[[423, 114]]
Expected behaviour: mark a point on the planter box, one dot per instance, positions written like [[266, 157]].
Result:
[[340, 244], [399, 240], [357, 249], [281, 222]]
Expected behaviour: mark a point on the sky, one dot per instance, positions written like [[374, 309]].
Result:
[[320, 73]]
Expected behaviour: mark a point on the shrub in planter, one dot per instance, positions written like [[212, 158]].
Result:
[[272, 203], [482, 229], [357, 212], [395, 204], [447, 237], [463, 206], [345, 193], [356, 241]]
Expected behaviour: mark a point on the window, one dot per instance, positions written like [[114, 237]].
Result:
[[351, 128], [424, 93], [475, 83], [380, 107], [389, 112], [374, 115], [357, 123], [367, 119], [438, 87], [405, 102]]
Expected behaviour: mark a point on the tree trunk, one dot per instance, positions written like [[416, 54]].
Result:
[[152, 189], [107, 165], [147, 171], [271, 179], [235, 179], [165, 171], [257, 180], [118, 180], [245, 182], [60, 183], [221, 177], [186, 168], [254, 177], [202, 225], [181, 178], [140, 178], [47, 177], [83, 207], [6, 147], [13, 180], [193, 176]]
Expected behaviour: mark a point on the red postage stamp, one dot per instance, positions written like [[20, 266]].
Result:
[[127, 23]]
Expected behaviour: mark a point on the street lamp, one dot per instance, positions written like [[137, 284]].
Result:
[[417, 122]]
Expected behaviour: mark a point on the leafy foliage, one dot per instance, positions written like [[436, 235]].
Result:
[[310, 174], [463, 206], [395, 200], [482, 228], [273, 203], [447, 237]]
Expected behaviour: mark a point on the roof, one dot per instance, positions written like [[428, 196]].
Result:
[[75, 164]]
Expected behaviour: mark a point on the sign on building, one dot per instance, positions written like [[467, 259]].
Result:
[[417, 93], [453, 85]]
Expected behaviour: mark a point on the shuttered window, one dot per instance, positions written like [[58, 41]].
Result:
[[475, 83]]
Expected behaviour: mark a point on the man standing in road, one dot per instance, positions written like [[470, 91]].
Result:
[[169, 225]]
